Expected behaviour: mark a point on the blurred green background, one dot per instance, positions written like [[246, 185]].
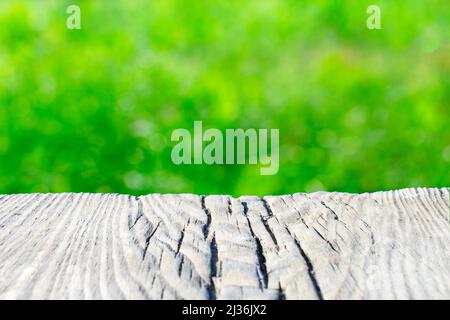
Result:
[[93, 109]]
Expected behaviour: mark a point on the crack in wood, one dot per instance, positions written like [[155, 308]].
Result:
[[180, 242], [309, 266], [147, 240], [261, 267], [139, 215], [213, 250], [326, 240], [266, 224]]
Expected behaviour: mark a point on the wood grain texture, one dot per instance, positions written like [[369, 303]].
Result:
[[383, 245]]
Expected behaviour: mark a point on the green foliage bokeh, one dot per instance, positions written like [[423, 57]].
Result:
[[92, 110]]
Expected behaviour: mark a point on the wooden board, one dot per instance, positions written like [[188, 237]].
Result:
[[383, 245]]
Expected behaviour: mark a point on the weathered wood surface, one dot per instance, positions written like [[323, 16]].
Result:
[[387, 245]]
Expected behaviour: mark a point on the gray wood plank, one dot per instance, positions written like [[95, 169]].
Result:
[[383, 245]]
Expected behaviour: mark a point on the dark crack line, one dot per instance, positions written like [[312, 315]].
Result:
[[229, 211], [281, 294], [214, 272], [182, 237], [180, 268], [212, 294], [309, 265], [140, 214], [336, 217], [262, 270], [266, 224], [267, 207], [180, 242], [147, 240], [324, 239], [206, 227]]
